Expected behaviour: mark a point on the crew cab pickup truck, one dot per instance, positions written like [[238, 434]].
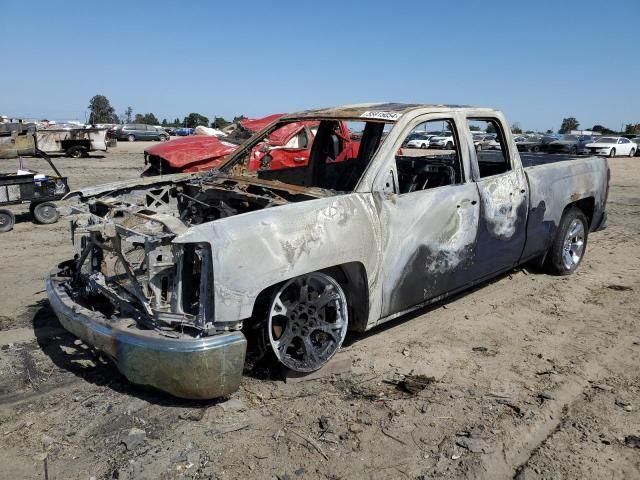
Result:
[[171, 272]]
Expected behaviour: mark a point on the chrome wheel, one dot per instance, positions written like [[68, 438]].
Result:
[[308, 321], [573, 247]]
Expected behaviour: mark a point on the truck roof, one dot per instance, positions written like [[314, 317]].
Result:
[[387, 112]]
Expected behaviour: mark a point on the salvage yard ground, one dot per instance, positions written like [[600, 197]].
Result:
[[530, 376]]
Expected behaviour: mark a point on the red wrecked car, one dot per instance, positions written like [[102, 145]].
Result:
[[287, 147]]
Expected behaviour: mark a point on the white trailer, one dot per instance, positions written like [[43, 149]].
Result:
[[75, 142]]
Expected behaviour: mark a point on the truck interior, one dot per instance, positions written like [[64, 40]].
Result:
[[422, 169], [335, 162]]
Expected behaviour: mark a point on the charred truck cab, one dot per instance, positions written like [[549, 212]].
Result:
[[169, 270]]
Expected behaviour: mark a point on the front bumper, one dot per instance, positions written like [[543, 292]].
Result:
[[186, 367]]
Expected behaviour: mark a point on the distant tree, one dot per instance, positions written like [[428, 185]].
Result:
[[632, 129], [194, 119], [602, 130], [490, 128], [473, 128], [515, 128], [569, 124], [220, 122], [529, 132], [148, 119], [177, 122], [101, 110], [549, 132], [238, 118], [164, 122], [128, 115]]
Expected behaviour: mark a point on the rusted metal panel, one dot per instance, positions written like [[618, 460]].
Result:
[[16, 141]]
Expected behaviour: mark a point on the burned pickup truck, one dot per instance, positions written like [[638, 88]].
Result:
[[171, 273]]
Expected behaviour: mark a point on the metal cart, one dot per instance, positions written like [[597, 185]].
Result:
[[39, 191]]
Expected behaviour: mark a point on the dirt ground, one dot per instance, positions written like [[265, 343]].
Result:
[[534, 377]]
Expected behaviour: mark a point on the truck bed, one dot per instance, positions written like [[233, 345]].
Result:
[[542, 158]]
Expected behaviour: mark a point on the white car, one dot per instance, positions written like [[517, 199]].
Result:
[[612, 146], [445, 140], [419, 142]]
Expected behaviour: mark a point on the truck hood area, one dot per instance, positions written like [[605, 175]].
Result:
[[134, 259]]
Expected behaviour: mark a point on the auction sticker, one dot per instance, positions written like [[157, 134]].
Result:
[[381, 115]]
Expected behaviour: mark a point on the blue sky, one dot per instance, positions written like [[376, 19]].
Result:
[[536, 61]]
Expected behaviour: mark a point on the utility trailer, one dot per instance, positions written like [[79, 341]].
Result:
[[74, 142], [18, 139], [36, 189]]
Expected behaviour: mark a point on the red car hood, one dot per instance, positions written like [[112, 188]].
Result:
[[196, 148], [185, 153]]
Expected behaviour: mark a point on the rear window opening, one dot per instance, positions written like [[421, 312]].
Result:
[[493, 157]]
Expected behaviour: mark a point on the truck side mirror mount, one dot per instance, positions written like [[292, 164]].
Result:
[[389, 184]]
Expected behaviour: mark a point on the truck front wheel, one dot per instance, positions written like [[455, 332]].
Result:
[[570, 243], [307, 321]]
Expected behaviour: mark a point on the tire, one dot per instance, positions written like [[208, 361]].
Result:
[[307, 321], [479, 147], [164, 138], [574, 151], [131, 138], [7, 220], [423, 146], [632, 153], [77, 152], [535, 149], [612, 153], [570, 243], [44, 213], [448, 146]]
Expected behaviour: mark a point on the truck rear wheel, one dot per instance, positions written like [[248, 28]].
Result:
[[307, 321], [45, 212], [569, 244], [7, 220]]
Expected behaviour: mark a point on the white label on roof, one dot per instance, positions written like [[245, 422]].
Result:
[[382, 115]]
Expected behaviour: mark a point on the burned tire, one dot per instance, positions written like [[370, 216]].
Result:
[[77, 152], [569, 244], [45, 212], [7, 220], [307, 321]]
